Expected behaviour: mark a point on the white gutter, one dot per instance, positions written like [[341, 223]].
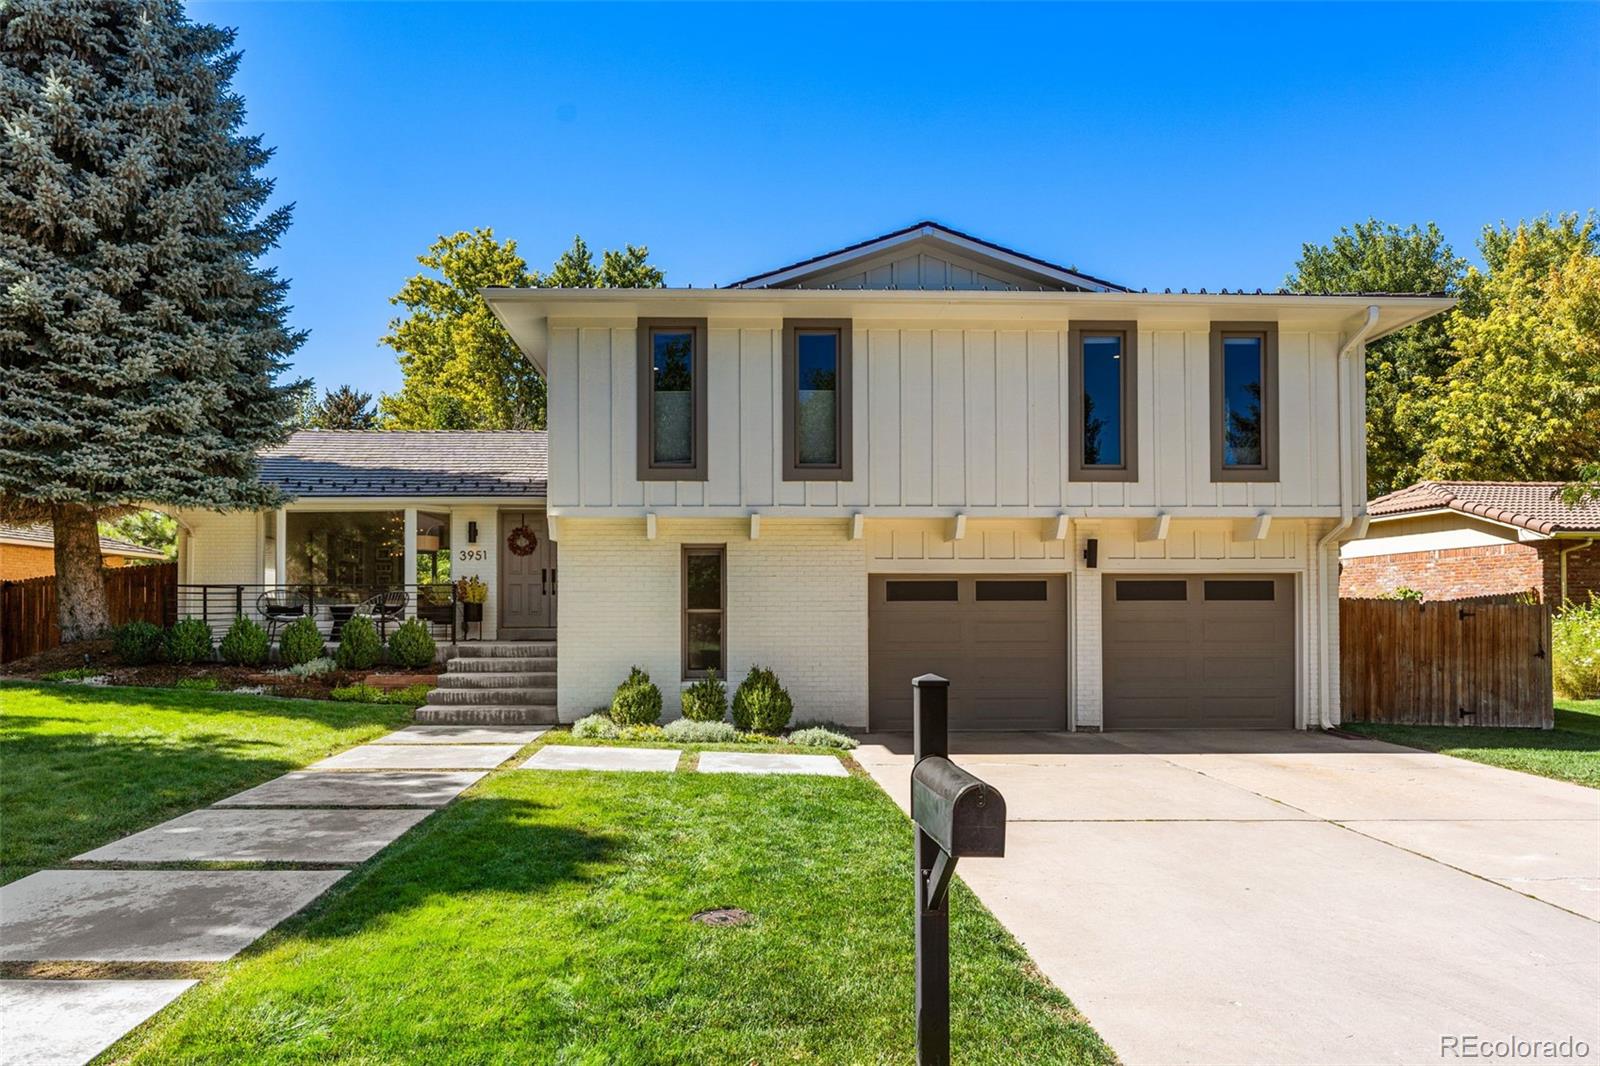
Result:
[[1563, 553], [1347, 510]]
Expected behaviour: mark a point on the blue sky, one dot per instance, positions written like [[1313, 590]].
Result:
[[1156, 146]]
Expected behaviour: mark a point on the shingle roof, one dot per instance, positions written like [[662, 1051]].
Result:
[[409, 463], [41, 536], [1532, 505]]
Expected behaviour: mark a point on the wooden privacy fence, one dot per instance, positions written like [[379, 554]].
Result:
[[1448, 662], [28, 608]]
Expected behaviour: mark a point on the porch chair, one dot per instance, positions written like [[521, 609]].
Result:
[[281, 606], [384, 608]]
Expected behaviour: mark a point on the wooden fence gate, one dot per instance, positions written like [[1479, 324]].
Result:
[[1484, 662], [28, 608]]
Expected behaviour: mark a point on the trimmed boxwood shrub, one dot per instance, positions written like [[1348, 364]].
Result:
[[358, 644], [637, 701], [706, 700], [300, 641], [244, 644], [189, 642], [761, 704], [138, 643], [412, 645]]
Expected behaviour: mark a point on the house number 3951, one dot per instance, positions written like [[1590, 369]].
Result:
[[470, 555]]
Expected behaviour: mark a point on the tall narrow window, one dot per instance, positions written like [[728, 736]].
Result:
[[816, 400], [1244, 401], [1103, 443], [672, 399], [704, 609]]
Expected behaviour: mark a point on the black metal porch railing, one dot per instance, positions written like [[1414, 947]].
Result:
[[329, 606]]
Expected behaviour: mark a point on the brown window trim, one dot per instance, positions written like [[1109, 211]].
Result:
[[683, 600], [792, 469], [1268, 469], [1128, 469], [648, 469]]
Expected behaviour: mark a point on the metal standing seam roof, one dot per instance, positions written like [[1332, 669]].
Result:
[[42, 536], [331, 463], [1530, 505]]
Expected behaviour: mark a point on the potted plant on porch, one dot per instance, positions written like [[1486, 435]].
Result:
[[472, 594]]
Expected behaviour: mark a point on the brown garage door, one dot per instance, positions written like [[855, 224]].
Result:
[[1002, 642], [1213, 650]]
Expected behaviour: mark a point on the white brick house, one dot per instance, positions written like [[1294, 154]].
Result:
[[1088, 506]]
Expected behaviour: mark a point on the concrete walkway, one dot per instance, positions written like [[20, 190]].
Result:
[[340, 812], [1287, 897]]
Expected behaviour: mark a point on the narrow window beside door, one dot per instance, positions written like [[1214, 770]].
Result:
[[816, 399], [672, 400], [704, 610]]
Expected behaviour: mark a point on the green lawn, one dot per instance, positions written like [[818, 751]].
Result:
[[82, 765], [1569, 752], [545, 917]]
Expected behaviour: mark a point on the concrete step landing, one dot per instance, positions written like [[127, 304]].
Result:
[[510, 682]]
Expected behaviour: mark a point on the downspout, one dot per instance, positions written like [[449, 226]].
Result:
[[1347, 511], [1562, 554]]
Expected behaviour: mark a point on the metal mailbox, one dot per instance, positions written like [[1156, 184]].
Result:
[[964, 816]]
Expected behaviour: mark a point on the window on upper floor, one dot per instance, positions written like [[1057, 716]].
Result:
[[1102, 443], [1244, 401], [672, 399], [816, 399]]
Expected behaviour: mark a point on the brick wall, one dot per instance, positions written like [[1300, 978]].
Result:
[[1447, 573], [1583, 570], [797, 602]]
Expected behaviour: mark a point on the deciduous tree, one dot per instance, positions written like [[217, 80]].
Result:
[[141, 338]]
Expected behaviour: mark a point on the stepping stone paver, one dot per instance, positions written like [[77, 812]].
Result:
[[743, 762], [245, 835], [73, 1021], [378, 788], [578, 757], [148, 915], [465, 734], [419, 757]]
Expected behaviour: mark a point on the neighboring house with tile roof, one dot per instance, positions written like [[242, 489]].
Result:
[[920, 452], [30, 551], [1453, 539]]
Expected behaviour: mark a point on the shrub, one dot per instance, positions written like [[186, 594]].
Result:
[[706, 700], [300, 642], [358, 644], [244, 644], [138, 643], [818, 737], [641, 732], [637, 702], [314, 667], [1403, 593], [77, 673], [1575, 636], [196, 684], [761, 704], [189, 642], [594, 727], [412, 695], [358, 694], [412, 645], [692, 731]]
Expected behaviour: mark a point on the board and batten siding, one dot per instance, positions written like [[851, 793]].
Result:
[[972, 419]]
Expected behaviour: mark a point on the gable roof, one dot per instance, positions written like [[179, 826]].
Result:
[[40, 535], [1047, 274], [1532, 505], [323, 463]]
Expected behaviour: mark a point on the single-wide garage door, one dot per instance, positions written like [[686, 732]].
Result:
[[1211, 650], [1002, 642]]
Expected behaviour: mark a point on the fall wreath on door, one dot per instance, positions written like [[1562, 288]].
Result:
[[522, 541]]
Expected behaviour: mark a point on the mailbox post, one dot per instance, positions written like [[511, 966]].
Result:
[[956, 814]]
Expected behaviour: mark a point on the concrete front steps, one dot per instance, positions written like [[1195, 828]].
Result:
[[495, 683]]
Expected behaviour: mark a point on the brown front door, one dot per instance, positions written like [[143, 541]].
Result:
[[527, 581]]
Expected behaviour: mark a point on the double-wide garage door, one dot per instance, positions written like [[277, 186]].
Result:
[[1208, 651], [1002, 642]]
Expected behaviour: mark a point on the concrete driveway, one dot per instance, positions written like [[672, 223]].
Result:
[[1290, 897]]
